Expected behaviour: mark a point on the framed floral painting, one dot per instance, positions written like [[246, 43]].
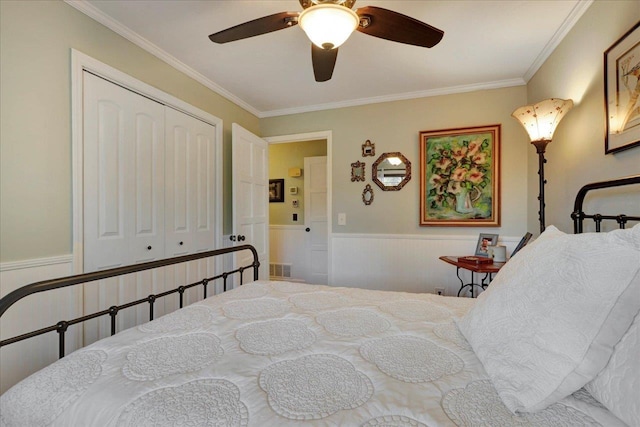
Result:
[[460, 177]]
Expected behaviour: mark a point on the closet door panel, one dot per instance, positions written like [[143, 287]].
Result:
[[178, 185], [123, 190], [148, 191], [190, 184], [105, 175]]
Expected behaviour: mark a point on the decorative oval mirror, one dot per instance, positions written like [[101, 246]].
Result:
[[367, 195], [391, 171]]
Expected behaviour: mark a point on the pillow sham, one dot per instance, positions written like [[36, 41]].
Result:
[[617, 385], [549, 320]]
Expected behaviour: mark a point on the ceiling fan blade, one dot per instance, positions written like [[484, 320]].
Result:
[[266, 24], [397, 27], [324, 62]]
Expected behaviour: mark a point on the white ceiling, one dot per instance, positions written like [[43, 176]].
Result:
[[486, 44]]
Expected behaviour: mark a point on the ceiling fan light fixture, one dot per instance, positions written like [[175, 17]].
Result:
[[328, 25]]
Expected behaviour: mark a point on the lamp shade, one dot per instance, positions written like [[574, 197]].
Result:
[[328, 25], [540, 120]]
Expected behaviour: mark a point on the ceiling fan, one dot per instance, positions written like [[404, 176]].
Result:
[[329, 23]]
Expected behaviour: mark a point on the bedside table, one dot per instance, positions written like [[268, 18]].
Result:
[[488, 269]]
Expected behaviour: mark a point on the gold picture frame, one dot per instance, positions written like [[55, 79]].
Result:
[[460, 177]]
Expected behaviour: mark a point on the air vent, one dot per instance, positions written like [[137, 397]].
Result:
[[280, 271]]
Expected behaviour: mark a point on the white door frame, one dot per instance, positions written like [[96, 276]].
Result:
[[80, 63], [311, 136]]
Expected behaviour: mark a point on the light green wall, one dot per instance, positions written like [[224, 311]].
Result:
[[282, 157], [576, 154], [395, 126], [35, 117]]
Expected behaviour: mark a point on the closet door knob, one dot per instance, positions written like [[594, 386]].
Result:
[[149, 248], [307, 229], [181, 243], [241, 238], [232, 238]]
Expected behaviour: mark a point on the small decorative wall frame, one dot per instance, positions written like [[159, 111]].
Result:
[[367, 195], [621, 92], [368, 149], [276, 190], [357, 171]]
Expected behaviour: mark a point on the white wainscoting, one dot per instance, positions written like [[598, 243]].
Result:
[[36, 311], [287, 246], [407, 263]]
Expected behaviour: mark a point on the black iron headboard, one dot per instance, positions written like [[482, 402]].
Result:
[[579, 215]]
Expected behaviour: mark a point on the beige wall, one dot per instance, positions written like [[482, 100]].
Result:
[[281, 158], [394, 126], [35, 117], [576, 155]]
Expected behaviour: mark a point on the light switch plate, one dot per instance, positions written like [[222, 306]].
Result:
[[342, 219]]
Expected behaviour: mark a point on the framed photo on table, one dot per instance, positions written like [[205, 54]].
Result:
[[622, 92], [460, 177], [484, 241]]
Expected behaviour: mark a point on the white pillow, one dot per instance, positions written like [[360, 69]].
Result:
[[617, 385], [548, 322]]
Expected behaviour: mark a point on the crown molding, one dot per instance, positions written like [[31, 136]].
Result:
[[396, 97], [135, 38], [576, 13]]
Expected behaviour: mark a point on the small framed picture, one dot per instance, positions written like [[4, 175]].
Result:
[[484, 241], [276, 190]]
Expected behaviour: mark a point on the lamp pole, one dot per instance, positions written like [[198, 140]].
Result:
[[541, 146]]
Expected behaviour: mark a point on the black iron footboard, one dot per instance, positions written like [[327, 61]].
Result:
[[62, 326], [579, 216]]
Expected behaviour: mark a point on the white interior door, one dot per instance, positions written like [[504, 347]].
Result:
[[123, 181], [250, 178], [315, 219]]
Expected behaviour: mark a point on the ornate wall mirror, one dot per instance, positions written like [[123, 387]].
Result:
[[367, 195], [391, 171], [368, 149], [357, 171]]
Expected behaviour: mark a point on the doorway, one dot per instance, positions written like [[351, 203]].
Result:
[[294, 230]]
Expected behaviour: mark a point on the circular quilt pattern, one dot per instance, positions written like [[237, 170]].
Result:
[[188, 318], [479, 404], [411, 359], [255, 308], [273, 337], [42, 397], [417, 311], [353, 322], [210, 402], [449, 332], [393, 421], [313, 387], [165, 356], [319, 301], [250, 290], [289, 287]]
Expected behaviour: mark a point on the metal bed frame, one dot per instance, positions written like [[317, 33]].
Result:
[[62, 326], [578, 215]]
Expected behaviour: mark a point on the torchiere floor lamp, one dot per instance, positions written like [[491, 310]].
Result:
[[540, 121]]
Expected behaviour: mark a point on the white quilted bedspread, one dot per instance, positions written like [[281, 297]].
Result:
[[284, 354]]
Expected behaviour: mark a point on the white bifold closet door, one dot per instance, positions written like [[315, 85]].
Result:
[[148, 191]]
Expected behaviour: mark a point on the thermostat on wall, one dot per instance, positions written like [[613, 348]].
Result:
[[293, 190]]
